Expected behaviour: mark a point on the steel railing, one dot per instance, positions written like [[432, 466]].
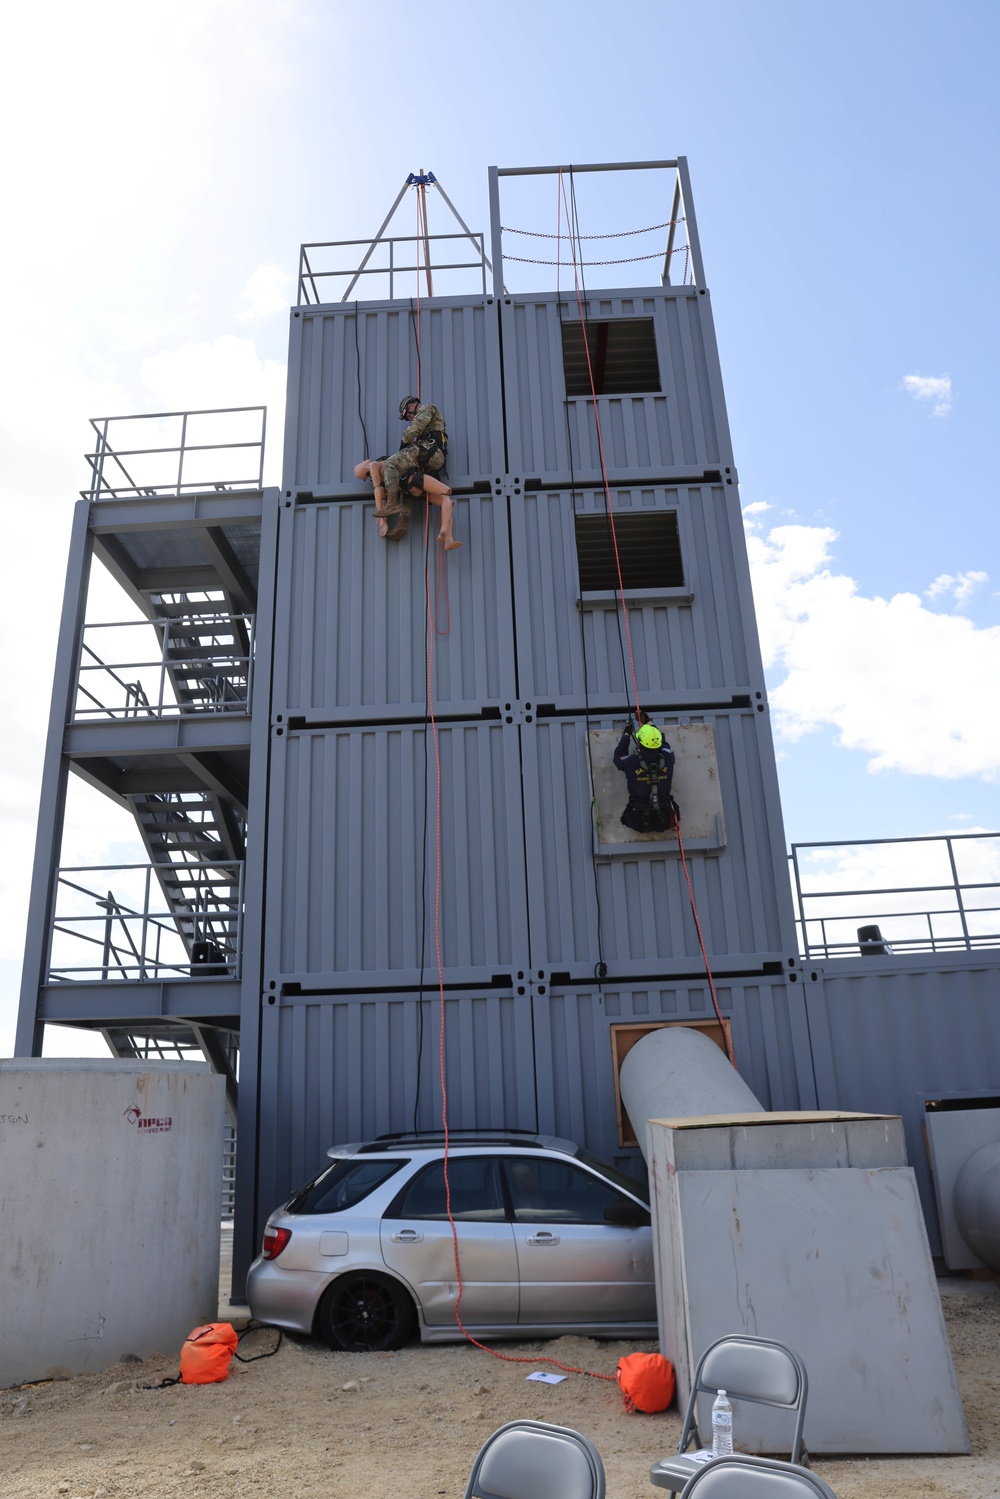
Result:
[[946, 911], [164, 465], [136, 934], [218, 676], [310, 275]]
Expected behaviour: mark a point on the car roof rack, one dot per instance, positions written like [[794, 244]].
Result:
[[420, 1139]]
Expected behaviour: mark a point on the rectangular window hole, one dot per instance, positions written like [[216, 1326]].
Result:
[[622, 357], [649, 551]]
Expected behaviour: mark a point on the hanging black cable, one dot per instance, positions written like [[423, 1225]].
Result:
[[601, 967], [357, 366], [423, 857], [416, 339]]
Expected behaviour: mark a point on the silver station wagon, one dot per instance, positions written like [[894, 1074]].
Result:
[[550, 1241]]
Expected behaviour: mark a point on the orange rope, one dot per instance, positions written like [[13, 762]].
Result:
[[600, 447], [701, 942], [628, 632], [506, 1357]]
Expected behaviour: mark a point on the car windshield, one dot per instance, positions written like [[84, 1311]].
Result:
[[612, 1174], [342, 1185]]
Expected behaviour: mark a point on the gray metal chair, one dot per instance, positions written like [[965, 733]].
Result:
[[532, 1460], [740, 1477], [753, 1369]]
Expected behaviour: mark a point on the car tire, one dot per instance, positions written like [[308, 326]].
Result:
[[364, 1312]]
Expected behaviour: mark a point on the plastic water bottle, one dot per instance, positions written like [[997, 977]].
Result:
[[722, 1426]]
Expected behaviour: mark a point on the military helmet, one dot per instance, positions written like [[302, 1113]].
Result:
[[405, 405], [649, 736]]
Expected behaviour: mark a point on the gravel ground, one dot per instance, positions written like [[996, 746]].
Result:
[[309, 1423]]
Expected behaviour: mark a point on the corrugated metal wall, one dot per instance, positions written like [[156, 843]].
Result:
[[547, 435], [645, 916], [352, 855], [354, 640], [521, 676], [687, 643], [349, 367], [346, 1067], [886, 1036], [531, 1057]]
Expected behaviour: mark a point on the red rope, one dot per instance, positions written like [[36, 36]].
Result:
[[628, 632], [701, 942], [600, 447], [506, 1357]]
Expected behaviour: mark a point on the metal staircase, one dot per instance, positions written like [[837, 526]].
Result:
[[206, 651], [195, 841]]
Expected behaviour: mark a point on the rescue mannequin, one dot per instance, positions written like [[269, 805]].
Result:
[[411, 482]]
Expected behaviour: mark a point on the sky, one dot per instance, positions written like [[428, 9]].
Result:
[[163, 164]]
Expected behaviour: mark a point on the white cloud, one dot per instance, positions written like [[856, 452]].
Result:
[[894, 679], [757, 508], [933, 389], [961, 585], [268, 291]]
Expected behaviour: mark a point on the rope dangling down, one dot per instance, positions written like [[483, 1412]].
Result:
[[573, 221]]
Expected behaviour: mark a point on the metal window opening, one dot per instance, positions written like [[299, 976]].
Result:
[[622, 357], [649, 551]]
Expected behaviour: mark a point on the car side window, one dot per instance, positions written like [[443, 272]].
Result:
[[342, 1186], [543, 1190], [474, 1183]]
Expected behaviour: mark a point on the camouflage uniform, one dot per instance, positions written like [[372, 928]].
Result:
[[427, 432], [396, 465]]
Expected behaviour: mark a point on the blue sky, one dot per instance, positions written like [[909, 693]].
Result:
[[169, 161]]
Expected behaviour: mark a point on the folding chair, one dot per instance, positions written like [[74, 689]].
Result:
[[754, 1369], [741, 1477], [532, 1460]]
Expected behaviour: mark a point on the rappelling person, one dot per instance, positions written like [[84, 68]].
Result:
[[649, 773], [412, 482], [424, 430], [422, 451]]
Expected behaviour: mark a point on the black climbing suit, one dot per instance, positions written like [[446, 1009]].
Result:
[[649, 775]]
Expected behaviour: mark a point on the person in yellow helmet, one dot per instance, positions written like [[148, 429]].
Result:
[[649, 773]]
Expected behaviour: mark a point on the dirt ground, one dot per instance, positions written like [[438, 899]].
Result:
[[311, 1424]]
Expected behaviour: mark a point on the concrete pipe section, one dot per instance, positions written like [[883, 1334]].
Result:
[[678, 1073], [976, 1202]]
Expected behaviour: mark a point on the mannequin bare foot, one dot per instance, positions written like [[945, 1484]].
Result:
[[451, 545]]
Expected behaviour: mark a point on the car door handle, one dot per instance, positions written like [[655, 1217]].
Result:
[[543, 1238], [407, 1236]]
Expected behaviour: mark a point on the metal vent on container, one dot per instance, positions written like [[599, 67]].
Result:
[[622, 357], [649, 551]]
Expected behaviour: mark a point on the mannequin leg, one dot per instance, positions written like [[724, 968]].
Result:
[[439, 494]]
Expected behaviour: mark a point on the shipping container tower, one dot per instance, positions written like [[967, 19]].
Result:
[[367, 755]]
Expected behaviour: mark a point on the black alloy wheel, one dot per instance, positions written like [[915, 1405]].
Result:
[[365, 1313]]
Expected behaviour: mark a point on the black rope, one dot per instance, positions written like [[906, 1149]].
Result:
[[416, 341], [423, 859], [258, 1327], [357, 365], [601, 967]]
